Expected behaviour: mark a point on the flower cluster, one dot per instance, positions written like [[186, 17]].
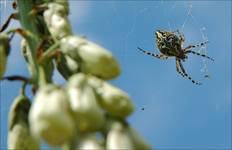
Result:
[[85, 105], [80, 55], [85, 113]]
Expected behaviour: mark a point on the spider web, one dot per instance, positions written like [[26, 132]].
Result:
[[192, 20], [167, 11], [141, 11], [202, 30]]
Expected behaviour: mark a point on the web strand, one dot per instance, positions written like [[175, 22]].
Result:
[[187, 17], [202, 30], [131, 31]]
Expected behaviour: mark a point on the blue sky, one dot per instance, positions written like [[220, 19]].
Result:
[[178, 114]]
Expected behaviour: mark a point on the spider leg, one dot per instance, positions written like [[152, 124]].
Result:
[[196, 53], [178, 68], [185, 74], [160, 56], [196, 45]]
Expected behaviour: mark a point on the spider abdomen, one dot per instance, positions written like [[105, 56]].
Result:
[[169, 49], [168, 43]]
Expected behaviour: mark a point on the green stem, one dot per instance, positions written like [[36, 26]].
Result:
[[42, 75], [27, 23], [49, 51], [30, 24], [22, 90]]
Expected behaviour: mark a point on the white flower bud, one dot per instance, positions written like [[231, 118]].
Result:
[[50, 116], [61, 2], [114, 126], [72, 64], [4, 51], [70, 46], [19, 136], [118, 138], [88, 142], [87, 112], [67, 66], [113, 100], [24, 49], [57, 22], [93, 59]]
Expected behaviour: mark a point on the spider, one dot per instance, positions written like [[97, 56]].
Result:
[[171, 44]]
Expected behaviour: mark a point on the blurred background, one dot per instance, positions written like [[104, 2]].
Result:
[[171, 112]]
